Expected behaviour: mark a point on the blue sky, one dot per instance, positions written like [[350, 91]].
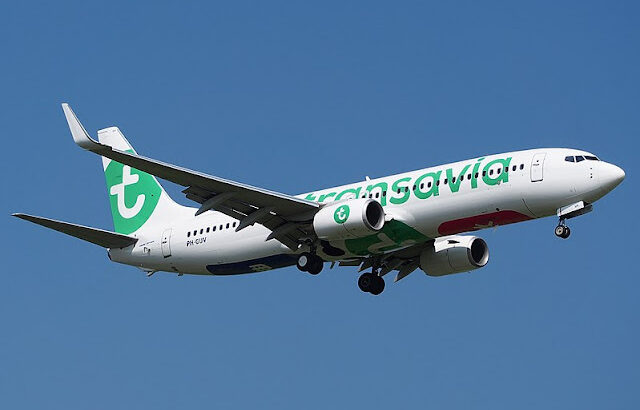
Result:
[[294, 97]]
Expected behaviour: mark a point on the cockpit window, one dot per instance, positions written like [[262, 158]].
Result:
[[579, 158]]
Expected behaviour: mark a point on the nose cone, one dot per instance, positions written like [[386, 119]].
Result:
[[610, 176]]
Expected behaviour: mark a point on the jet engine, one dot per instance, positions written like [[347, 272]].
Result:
[[454, 254], [349, 219]]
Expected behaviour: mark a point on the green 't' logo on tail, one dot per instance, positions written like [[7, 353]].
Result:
[[133, 196]]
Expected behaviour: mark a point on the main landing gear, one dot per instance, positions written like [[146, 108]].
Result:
[[562, 230], [308, 262], [371, 282]]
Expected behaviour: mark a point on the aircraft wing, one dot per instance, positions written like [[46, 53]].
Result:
[[286, 216], [100, 237]]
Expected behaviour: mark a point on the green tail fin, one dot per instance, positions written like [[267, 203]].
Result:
[[135, 196]]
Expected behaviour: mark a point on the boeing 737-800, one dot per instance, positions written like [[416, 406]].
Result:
[[400, 223]]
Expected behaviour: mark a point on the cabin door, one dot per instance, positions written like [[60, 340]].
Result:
[[166, 243], [537, 165]]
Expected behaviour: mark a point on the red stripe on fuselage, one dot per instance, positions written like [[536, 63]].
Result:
[[473, 223]]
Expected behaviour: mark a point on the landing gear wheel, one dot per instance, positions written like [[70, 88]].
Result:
[[365, 281], [562, 231], [378, 285], [371, 283], [304, 261], [316, 266], [311, 263]]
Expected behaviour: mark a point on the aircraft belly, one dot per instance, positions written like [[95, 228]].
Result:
[[253, 265]]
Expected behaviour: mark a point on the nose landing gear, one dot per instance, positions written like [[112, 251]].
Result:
[[562, 230], [371, 282]]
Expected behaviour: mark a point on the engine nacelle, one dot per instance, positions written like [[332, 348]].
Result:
[[454, 254], [354, 218]]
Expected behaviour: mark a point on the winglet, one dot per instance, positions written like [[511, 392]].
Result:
[[80, 135]]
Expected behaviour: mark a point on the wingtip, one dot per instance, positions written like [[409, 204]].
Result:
[[78, 132], [66, 108]]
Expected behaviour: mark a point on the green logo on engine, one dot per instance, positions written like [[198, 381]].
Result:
[[341, 214]]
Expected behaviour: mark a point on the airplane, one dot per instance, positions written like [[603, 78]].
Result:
[[402, 222]]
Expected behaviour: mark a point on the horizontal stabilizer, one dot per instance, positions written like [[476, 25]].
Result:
[[100, 237]]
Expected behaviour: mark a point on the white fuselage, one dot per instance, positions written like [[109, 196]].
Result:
[[420, 205]]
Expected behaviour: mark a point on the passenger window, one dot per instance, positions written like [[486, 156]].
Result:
[[188, 234], [521, 166], [195, 233], [221, 227], [445, 181], [499, 170], [514, 168], [453, 180], [214, 228], [579, 158], [484, 173], [398, 190], [227, 225], [429, 185], [234, 224], [201, 230], [490, 172], [422, 185], [438, 183], [476, 175], [384, 193], [377, 194], [208, 229]]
